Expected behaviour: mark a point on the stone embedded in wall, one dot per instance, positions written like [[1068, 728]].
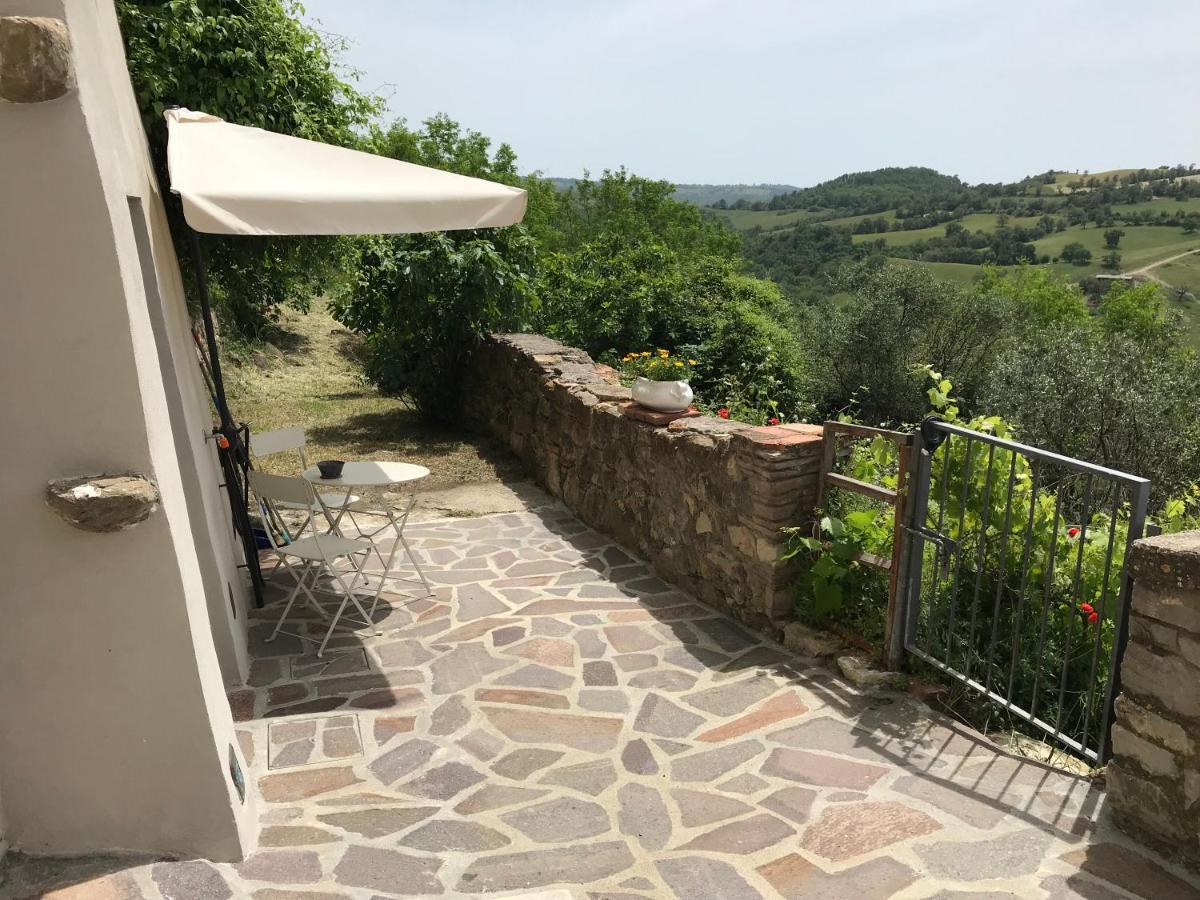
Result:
[[103, 503], [702, 499], [1154, 775], [35, 59]]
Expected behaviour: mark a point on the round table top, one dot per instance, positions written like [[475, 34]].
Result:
[[369, 474]]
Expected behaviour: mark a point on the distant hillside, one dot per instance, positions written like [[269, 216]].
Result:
[[859, 193], [719, 195], [729, 194], [1083, 225]]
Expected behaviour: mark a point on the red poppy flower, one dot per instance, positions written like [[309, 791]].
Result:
[[772, 421], [1072, 532], [723, 413], [1093, 617], [1086, 607]]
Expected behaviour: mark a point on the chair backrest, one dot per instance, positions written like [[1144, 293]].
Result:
[[278, 441], [285, 488]]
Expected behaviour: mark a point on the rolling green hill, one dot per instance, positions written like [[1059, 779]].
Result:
[[952, 229]]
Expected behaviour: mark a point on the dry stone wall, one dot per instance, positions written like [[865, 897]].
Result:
[[702, 499], [1154, 776]]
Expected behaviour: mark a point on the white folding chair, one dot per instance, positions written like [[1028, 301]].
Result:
[[394, 512], [316, 551], [284, 440]]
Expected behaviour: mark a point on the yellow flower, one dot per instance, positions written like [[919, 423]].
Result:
[[691, 362], [645, 353], [679, 364]]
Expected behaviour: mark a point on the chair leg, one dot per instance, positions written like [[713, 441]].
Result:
[[299, 579], [416, 565], [353, 597], [332, 625]]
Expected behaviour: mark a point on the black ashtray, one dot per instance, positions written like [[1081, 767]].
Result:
[[330, 468]]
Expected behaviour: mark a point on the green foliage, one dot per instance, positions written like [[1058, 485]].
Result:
[[425, 301], [253, 63], [609, 296], [628, 210], [1119, 388], [901, 318], [1040, 300], [1076, 254], [753, 365]]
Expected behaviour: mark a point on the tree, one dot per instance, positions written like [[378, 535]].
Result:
[[871, 350], [254, 63], [1112, 238], [426, 301], [1108, 398], [1076, 254], [1111, 261]]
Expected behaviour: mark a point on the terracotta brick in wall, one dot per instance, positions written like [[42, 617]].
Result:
[[702, 499]]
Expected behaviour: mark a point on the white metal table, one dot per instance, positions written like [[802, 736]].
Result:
[[401, 477]]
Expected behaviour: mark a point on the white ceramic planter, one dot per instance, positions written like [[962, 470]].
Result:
[[664, 396]]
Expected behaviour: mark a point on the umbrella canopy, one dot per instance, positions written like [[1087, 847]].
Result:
[[238, 180]]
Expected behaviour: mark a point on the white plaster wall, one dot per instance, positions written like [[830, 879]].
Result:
[[114, 730]]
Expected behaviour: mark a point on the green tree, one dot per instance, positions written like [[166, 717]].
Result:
[[872, 351], [1111, 261], [425, 301], [1112, 237], [1107, 397], [1039, 298], [254, 63], [1076, 254], [623, 206]]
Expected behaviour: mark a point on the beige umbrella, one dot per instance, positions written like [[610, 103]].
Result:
[[238, 180]]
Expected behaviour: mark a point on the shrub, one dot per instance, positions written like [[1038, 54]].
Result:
[[1076, 254], [753, 366], [871, 349], [426, 301]]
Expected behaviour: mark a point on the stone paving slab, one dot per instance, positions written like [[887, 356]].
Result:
[[556, 722]]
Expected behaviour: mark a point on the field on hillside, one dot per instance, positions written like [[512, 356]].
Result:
[[1140, 246], [987, 222], [1161, 205], [1182, 273], [745, 219]]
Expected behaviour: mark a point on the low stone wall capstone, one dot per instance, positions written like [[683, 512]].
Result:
[[1154, 776], [702, 499]]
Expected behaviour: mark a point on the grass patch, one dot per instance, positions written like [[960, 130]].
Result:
[[769, 219], [1141, 245], [318, 385]]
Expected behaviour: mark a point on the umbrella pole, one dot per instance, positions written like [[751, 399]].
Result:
[[235, 459]]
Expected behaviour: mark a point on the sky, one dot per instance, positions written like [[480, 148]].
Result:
[[791, 91]]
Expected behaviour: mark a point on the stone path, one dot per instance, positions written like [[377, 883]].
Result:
[[557, 720]]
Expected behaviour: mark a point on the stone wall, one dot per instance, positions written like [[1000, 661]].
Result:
[[1154, 776], [702, 499]]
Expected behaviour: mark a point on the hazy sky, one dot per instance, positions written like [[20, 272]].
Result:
[[793, 91]]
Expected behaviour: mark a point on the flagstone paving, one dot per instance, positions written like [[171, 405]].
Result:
[[557, 720]]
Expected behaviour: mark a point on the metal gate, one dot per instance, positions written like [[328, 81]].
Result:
[[1015, 577]]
